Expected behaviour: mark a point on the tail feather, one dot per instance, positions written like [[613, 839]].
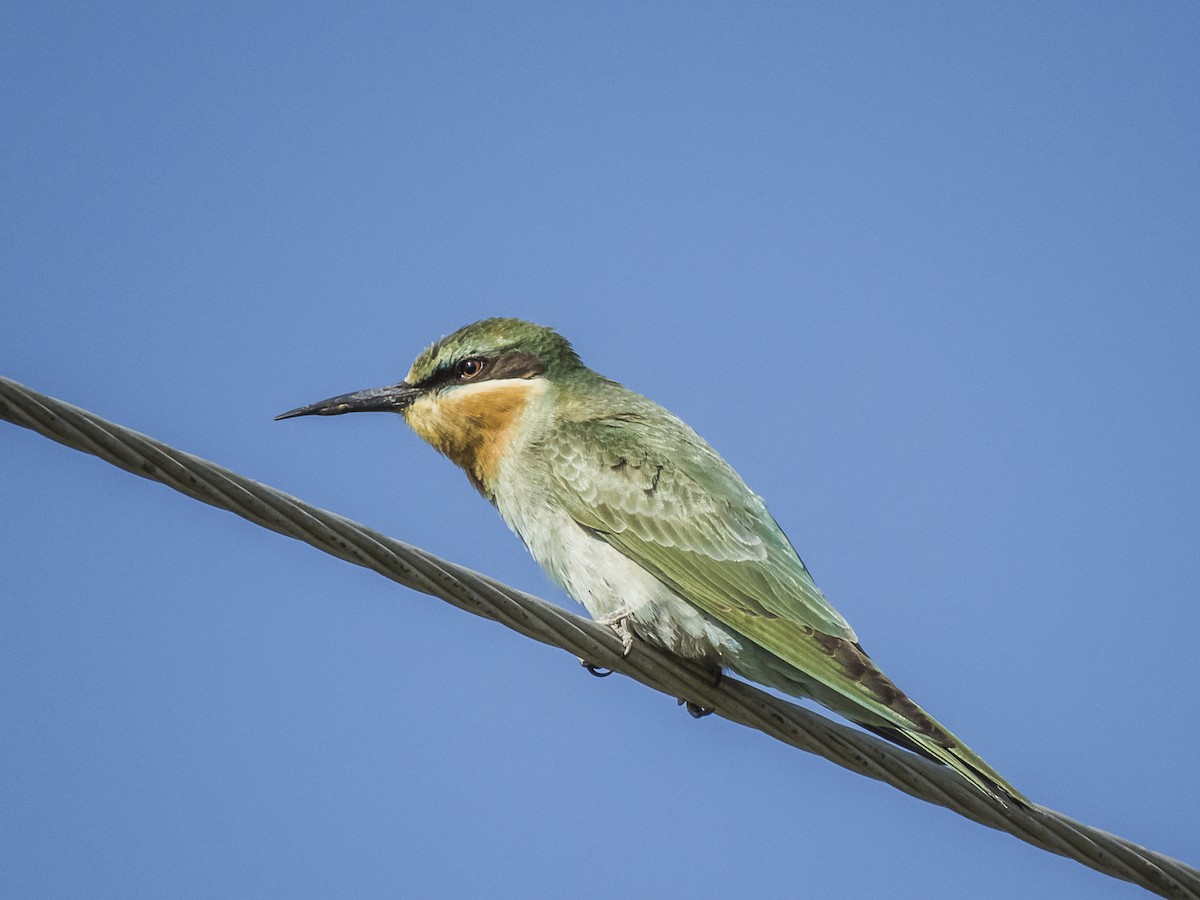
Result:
[[958, 757], [856, 688], [912, 727]]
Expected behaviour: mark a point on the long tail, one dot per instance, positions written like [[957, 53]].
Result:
[[958, 757], [860, 691], [909, 726], [838, 674]]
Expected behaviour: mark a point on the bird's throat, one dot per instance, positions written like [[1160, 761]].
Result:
[[474, 424]]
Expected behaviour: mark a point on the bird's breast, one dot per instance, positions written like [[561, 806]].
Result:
[[607, 583]]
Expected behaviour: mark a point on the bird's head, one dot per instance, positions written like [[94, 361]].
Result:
[[465, 393]]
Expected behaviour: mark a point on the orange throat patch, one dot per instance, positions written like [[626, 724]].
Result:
[[473, 424]]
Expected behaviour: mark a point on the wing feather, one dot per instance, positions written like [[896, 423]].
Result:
[[689, 519]]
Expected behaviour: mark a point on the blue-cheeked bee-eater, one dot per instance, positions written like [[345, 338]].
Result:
[[641, 521]]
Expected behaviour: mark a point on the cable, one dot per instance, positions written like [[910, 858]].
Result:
[[535, 618]]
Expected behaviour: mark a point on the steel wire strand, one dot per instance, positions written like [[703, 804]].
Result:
[[552, 625]]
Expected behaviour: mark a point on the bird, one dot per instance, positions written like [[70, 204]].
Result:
[[640, 520]]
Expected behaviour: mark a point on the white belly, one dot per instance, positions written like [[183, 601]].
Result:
[[610, 585]]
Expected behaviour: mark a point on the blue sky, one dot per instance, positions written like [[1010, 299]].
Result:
[[927, 275]]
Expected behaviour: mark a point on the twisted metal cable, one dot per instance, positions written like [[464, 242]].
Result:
[[535, 618]]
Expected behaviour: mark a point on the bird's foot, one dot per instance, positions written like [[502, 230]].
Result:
[[621, 625], [598, 671], [695, 710]]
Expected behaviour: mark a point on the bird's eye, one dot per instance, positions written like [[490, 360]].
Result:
[[470, 368]]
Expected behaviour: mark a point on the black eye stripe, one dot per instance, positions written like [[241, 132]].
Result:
[[514, 364], [508, 364]]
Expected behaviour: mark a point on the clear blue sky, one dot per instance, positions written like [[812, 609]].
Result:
[[927, 274]]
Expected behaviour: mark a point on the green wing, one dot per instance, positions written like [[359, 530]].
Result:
[[688, 518], [656, 491]]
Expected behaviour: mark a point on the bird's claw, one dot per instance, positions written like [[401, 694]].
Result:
[[625, 632], [620, 624], [695, 710], [598, 671]]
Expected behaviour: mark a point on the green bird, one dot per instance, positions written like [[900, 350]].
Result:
[[640, 520]]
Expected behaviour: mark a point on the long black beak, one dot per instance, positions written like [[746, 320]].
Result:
[[395, 398]]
